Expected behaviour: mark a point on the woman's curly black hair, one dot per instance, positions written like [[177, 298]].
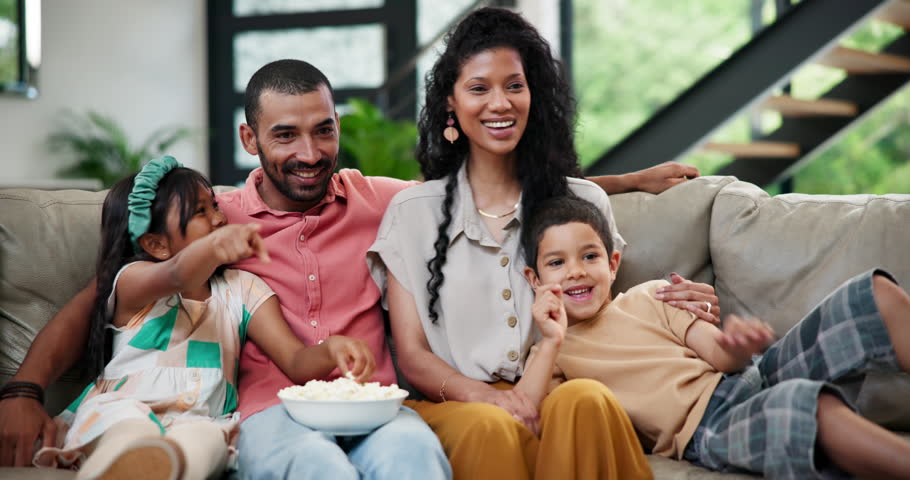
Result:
[[546, 152]]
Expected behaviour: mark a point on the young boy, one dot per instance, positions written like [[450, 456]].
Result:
[[691, 389]]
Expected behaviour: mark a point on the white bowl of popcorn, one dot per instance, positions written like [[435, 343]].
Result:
[[342, 406]]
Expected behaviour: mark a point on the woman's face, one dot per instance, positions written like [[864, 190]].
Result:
[[491, 99]]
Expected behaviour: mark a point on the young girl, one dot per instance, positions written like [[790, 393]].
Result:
[[691, 389], [165, 391]]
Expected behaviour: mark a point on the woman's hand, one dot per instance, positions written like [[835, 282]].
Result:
[[698, 298], [550, 313], [352, 356], [744, 338], [232, 243], [516, 402], [22, 422]]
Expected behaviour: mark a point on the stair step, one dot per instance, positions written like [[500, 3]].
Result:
[[755, 149], [897, 12], [822, 107], [861, 62]]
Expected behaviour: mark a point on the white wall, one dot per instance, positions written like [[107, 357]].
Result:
[[141, 62], [543, 14]]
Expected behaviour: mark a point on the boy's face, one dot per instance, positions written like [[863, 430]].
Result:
[[574, 257]]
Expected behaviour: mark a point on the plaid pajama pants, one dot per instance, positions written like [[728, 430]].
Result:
[[763, 419]]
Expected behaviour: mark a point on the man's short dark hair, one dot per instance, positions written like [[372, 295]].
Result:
[[288, 77]]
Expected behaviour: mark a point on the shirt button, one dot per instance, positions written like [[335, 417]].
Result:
[[194, 375], [313, 323], [302, 238], [513, 321], [320, 342], [504, 261], [189, 399], [513, 355], [506, 294], [312, 277]]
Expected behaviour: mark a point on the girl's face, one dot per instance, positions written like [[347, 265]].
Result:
[[204, 221], [573, 256], [491, 99]]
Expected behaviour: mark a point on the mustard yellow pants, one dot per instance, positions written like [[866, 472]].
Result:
[[584, 434]]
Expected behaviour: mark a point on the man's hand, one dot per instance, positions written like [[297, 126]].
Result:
[[550, 313], [694, 297], [22, 422], [658, 178]]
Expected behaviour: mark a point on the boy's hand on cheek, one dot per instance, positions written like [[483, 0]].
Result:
[[744, 338], [549, 312]]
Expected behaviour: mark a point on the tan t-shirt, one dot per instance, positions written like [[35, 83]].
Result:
[[485, 328], [637, 348]]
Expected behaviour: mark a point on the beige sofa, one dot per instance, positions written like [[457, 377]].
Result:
[[769, 257]]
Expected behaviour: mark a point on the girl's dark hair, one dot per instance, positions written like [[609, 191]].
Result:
[[560, 211], [545, 154], [180, 185]]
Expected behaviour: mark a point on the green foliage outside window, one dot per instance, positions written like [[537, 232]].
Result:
[[631, 58]]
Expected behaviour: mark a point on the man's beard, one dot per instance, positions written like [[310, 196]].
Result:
[[301, 194]]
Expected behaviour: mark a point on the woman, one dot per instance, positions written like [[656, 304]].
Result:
[[495, 140]]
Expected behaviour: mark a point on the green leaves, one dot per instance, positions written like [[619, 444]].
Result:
[[376, 145], [101, 148]]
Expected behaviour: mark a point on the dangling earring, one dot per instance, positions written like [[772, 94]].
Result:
[[451, 133]]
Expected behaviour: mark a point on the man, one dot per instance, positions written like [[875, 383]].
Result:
[[317, 225]]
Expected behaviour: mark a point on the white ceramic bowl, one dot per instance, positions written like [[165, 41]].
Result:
[[343, 417]]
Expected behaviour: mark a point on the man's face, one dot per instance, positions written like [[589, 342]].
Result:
[[296, 139]]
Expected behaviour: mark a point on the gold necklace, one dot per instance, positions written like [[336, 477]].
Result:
[[490, 215]]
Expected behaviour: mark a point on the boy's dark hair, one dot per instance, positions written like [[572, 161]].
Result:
[[180, 185], [560, 211], [546, 152], [288, 77]]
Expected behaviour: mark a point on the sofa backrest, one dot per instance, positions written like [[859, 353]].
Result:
[[667, 232], [777, 257], [48, 247], [773, 257]]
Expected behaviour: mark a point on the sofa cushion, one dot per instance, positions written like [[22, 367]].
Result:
[[48, 246], [666, 232], [777, 257]]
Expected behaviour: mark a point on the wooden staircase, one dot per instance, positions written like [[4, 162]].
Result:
[[775, 156]]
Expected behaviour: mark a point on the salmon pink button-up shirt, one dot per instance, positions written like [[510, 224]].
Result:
[[319, 272]]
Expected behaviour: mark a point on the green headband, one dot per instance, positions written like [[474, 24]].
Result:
[[140, 200]]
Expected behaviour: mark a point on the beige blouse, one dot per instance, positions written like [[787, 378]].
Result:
[[484, 328]]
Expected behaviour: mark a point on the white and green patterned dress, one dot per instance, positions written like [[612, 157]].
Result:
[[175, 361]]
